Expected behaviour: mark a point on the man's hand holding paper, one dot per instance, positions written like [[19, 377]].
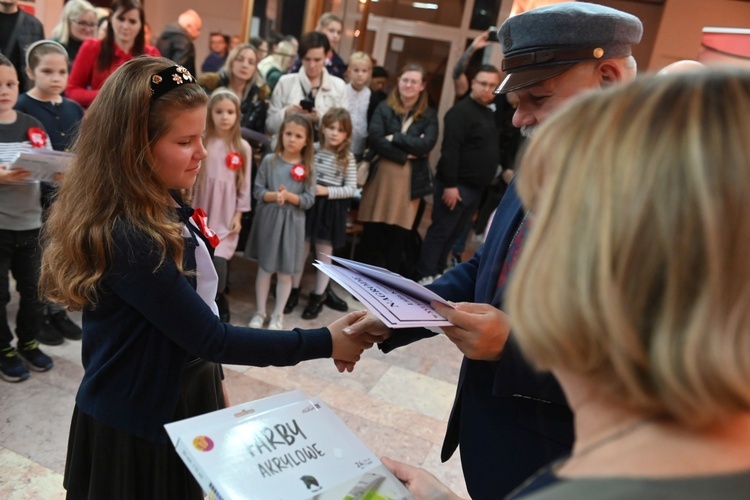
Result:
[[480, 330]]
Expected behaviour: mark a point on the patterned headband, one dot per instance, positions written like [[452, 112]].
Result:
[[168, 79]]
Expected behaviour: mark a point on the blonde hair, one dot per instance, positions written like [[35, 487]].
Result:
[[234, 143], [73, 9], [112, 180], [635, 274], [308, 150], [344, 119], [360, 57], [327, 18], [256, 79], [281, 58]]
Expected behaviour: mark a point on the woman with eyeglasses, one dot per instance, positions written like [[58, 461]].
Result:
[[402, 132], [77, 24], [124, 40]]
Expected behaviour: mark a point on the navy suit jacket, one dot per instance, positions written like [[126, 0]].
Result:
[[509, 419]]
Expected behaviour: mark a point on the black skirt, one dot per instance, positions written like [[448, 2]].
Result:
[[104, 462], [326, 221]]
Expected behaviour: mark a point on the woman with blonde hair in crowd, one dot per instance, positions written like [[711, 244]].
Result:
[[277, 63], [240, 74], [403, 131], [77, 23], [633, 288]]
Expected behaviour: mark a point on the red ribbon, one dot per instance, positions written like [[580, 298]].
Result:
[[201, 219], [234, 161], [37, 137], [299, 172]]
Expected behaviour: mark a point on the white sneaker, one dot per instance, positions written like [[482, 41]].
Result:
[[258, 320], [276, 322]]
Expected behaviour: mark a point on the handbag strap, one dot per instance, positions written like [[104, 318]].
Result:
[[8, 49], [406, 124]]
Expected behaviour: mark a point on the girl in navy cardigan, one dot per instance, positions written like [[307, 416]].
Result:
[[121, 246]]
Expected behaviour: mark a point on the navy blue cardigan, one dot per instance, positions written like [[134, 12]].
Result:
[[149, 321]]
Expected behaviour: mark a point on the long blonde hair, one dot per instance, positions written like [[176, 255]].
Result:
[[635, 274], [113, 180], [256, 79], [73, 9], [234, 142]]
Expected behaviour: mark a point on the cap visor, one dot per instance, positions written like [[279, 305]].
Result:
[[520, 79]]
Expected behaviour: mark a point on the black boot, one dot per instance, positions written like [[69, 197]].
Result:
[[223, 305], [334, 301], [314, 306], [292, 301], [64, 325]]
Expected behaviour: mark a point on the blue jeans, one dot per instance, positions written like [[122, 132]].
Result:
[[447, 225], [19, 254]]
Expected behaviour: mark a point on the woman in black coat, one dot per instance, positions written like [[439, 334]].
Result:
[[402, 132]]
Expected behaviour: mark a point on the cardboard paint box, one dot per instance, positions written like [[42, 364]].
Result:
[[287, 446]]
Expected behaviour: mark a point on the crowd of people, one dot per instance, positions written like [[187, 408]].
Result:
[[621, 365]]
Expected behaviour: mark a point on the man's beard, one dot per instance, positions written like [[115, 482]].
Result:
[[528, 130]]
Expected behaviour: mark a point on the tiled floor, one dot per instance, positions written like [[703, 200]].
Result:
[[398, 404]]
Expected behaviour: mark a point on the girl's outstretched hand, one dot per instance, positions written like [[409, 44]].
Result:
[[347, 349]]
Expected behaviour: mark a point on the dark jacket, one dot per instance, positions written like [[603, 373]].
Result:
[[149, 321], [418, 141], [29, 30], [253, 105], [509, 419], [469, 154], [175, 44]]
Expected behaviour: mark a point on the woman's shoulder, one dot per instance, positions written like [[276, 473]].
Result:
[[91, 43], [287, 81], [89, 48], [429, 112], [151, 51], [333, 82]]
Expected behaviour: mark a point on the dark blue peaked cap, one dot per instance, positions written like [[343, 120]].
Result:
[[544, 42]]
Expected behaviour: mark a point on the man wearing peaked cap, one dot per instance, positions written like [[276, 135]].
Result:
[[508, 419], [545, 42]]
